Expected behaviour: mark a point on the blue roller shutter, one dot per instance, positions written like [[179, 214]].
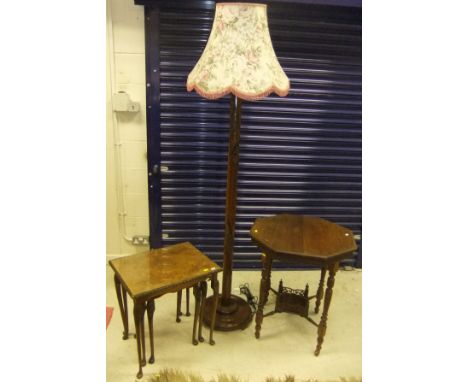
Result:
[[299, 154]]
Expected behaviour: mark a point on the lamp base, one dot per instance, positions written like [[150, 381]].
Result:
[[233, 314]]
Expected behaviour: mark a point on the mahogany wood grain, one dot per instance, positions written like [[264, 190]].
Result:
[[264, 290], [322, 329], [203, 291], [138, 313], [187, 302], [307, 240], [215, 288], [196, 294], [233, 312], [231, 195], [179, 304], [150, 308], [179, 301], [123, 306], [319, 294], [303, 237]]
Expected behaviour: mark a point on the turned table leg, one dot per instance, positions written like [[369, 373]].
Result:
[[320, 289], [215, 287], [150, 307], [138, 315], [264, 290], [122, 298], [196, 293], [322, 328]]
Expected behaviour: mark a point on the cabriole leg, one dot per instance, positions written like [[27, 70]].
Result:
[[179, 303], [122, 299], [187, 302], [150, 308], [215, 287], [138, 312], [203, 290], [196, 294], [142, 337]]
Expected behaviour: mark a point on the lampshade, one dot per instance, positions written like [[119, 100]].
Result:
[[239, 57]]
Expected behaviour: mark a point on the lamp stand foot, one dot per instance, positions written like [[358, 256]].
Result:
[[233, 314]]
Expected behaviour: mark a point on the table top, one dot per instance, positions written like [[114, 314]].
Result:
[[160, 270], [303, 236]]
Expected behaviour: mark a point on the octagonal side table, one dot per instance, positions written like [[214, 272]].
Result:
[[305, 240]]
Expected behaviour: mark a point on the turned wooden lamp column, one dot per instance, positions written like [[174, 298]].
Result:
[[238, 59]]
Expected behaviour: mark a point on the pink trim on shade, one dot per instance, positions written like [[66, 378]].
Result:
[[238, 93]]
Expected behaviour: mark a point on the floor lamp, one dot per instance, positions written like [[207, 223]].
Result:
[[238, 59]]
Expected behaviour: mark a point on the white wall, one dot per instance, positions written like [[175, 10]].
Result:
[[127, 197]]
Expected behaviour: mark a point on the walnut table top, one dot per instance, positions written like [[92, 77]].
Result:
[[163, 270], [303, 237]]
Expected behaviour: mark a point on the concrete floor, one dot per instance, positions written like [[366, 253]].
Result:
[[286, 345]]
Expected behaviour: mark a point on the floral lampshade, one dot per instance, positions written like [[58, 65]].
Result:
[[239, 57]]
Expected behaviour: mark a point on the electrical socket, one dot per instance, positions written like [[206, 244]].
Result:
[[140, 240]]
